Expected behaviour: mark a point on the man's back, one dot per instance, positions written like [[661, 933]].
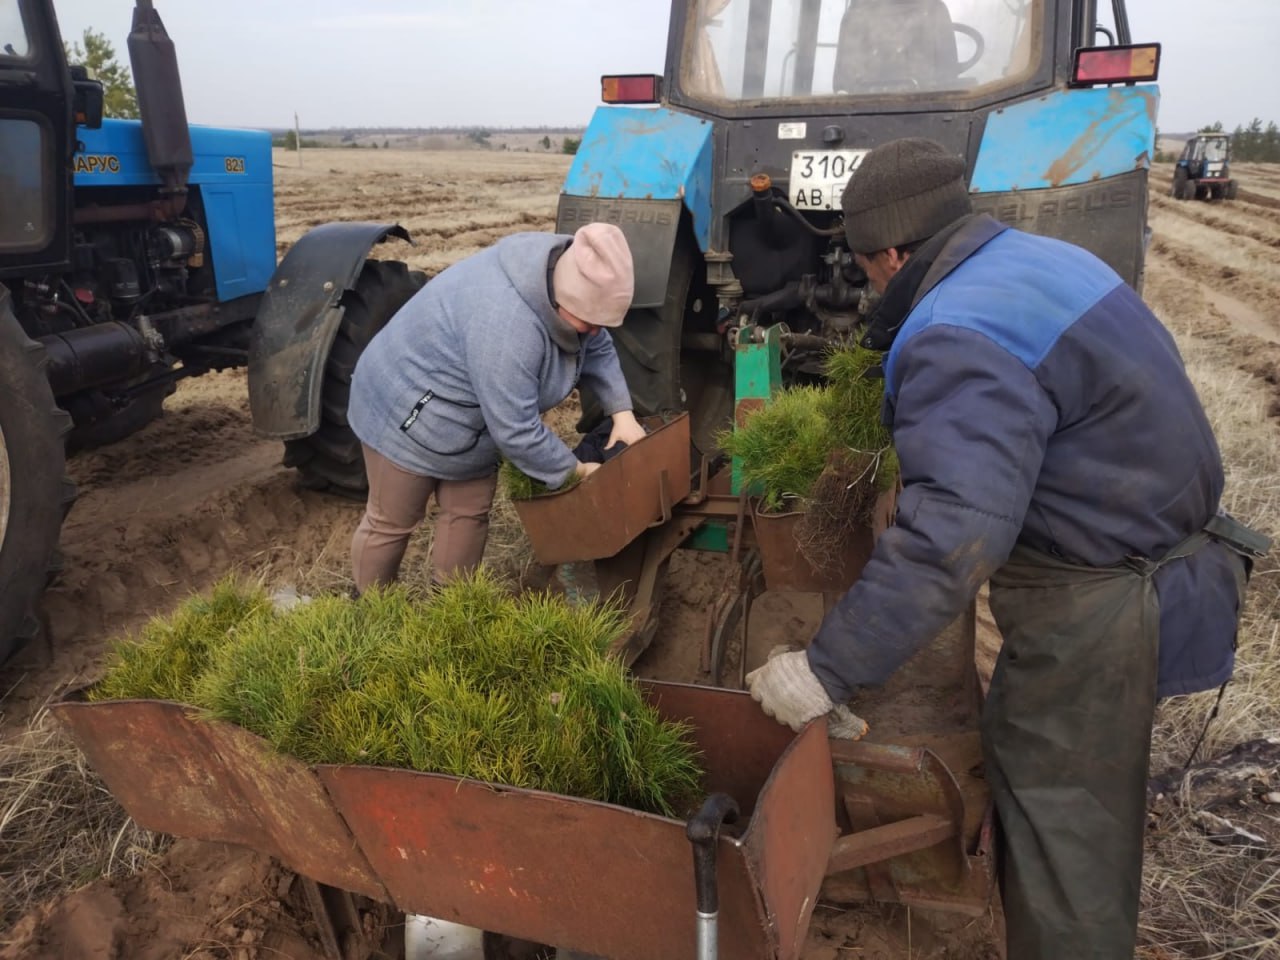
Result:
[[1131, 466], [1068, 405]]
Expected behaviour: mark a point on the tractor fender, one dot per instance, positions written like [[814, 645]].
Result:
[[297, 321], [642, 168]]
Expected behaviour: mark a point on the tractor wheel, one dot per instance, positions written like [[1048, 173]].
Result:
[[35, 493], [1177, 188], [1232, 190], [331, 458], [662, 376]]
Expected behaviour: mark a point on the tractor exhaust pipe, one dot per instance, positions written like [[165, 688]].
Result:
[[160, 102]]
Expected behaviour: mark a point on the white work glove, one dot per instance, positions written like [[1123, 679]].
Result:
[[626, 428], [844, 724], [787, 690]]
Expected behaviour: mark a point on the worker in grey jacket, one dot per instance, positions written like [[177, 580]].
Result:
[[460, 376], [1051, 442]]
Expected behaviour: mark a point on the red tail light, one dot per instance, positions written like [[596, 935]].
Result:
[[1127, 64], [631, 88]]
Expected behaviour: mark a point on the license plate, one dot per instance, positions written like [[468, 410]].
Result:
[[818, 177]]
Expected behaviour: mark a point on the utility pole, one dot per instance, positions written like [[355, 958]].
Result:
[[297, 137]]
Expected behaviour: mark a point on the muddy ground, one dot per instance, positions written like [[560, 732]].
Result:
[[197, 493]]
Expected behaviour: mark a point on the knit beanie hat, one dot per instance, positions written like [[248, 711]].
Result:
[[903, 191], [594, 279]]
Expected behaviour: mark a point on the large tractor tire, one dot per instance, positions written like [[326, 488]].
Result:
[[331, 458], [35, 493], [1184, 188], [1232, 190]]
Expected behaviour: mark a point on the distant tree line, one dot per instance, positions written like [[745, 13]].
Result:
[[290, 141]]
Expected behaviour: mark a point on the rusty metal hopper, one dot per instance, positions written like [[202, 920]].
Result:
[[587, 876], [602, 514], [787, 568], [176, 774]]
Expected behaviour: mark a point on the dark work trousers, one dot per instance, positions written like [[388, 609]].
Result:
[[1066, 736]]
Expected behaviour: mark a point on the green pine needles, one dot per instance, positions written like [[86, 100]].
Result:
[[785, 446], [520, 486], [169, 655], [470, 681]]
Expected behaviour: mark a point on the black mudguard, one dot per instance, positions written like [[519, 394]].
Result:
[[297, 321], [650, 227]]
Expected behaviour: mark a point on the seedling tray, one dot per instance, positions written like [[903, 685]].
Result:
[[598, 517], [583, 875]]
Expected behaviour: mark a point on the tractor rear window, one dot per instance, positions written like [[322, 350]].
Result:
[[793, 49], [13, 32], [1215, 149], [24, 194]]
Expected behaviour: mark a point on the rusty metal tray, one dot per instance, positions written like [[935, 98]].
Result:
[[786, 567], [176, 774], [612, 507], [582, 875]]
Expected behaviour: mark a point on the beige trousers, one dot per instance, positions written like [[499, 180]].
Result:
[[398, 503]]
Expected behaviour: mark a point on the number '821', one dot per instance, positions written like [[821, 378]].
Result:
[[234, 164]]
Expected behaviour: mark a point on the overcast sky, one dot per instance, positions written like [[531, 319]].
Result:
[[533, 62]]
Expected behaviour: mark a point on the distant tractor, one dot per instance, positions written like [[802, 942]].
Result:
[[136, 253], [1204, 169]]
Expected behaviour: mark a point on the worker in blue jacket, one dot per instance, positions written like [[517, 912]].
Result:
[[1051, 443]]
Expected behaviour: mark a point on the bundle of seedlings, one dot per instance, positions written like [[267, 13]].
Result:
[[468, 681], [165, 659], [822, 452], [518, 485]]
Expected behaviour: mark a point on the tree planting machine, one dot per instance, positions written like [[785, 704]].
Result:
[[725, 172]]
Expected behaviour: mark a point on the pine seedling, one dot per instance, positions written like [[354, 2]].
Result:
[[784, 445], [167, 659], [852, 404], [518, 485], [467, 681], [360, 726]]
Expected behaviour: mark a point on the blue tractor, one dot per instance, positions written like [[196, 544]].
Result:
[[726, 171], [1203, 171], [134, 253]]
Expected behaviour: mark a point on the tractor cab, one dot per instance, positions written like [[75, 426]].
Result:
[[135, 253], [41, 101], [726, 170], [1204, 169]]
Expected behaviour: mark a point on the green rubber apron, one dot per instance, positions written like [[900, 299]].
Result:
[[1066, 734]]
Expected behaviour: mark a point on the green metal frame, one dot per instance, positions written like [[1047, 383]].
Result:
[[757, 374]]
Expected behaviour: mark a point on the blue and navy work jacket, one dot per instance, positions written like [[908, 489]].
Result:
[[1034, 398]]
